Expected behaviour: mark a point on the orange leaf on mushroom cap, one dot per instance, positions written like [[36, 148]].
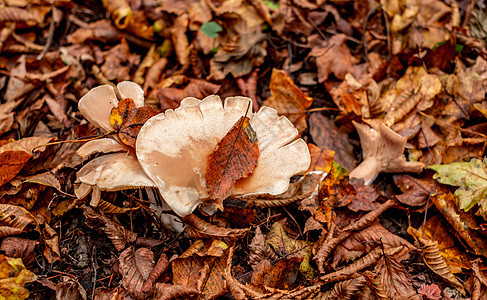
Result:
[[173, 149], [128, 119], [235, 157]]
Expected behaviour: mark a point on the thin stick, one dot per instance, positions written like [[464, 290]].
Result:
[[76, 141]]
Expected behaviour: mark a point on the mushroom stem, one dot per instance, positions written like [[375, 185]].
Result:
[[368, 170]]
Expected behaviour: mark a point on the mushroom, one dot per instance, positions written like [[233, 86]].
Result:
[[116, 171], [382, 150], [173, 149]]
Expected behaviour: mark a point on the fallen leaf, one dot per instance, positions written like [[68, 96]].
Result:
[[234, 157], [260, 250], [198, 228], [166, 291], [16, 247], [415, 190], [288, 99], [430, 291], [335, 188], [15, 220], [281, 274], [436, 230], [470, 177], [70, 289], [135, 267], [335, 59], [128, 119], [287, 247], [13, 276], [320, 159], [11, 162]]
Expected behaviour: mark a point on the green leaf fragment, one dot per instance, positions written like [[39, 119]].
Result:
[[211, 29], [470, 177]]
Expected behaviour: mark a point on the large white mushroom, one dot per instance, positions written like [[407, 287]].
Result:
[[173, 149], [120, 169]]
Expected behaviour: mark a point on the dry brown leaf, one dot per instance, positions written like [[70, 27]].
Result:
[[336, 59], [288, 99], [159, 268], [463, 223], [114, 230], [118, 62], [200, 269], [345, 289], [235, 157], [135, 267], [415, 190], [366, 240], [280, 274], [320, 159], [118, 293], [260, 250], [16, 247], [109, 208], [166, 291], [70, 289], [326, 135], [15, 220], [120, 12], [51, 240], [332, 241], [11, 162], [438, 230], [180, 40], [433, 259], [47, 179], [394, 278], [364, 262], [197, 228]]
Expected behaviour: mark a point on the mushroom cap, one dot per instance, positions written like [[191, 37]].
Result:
[[97, 104], [112, 172], [104, 145], [173, 149]]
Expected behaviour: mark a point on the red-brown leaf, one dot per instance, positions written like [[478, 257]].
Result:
[[234, 157]]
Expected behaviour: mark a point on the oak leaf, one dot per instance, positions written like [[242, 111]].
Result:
[[127, 118]]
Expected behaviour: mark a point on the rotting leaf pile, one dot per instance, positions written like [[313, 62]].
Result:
[[391, 85]]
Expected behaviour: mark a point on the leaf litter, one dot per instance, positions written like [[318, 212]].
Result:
[[302, 199]]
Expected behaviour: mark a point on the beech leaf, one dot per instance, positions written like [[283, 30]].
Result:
[[127, 118], [234, 157]]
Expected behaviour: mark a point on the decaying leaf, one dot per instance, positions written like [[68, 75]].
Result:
[[115, 231], [15, 220], [16, 247], [415, 190], [288, 99], [234, 157], [287, 247], [436, 230], [135, 267], [201, 267], [166, 291], [260, 249], [320, 159], [127, 119], [198, 228], [13, 276], [160, 267], [336, 59], [433, 259], [345, 289]]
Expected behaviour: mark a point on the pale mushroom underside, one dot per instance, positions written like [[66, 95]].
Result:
[[173, 149]]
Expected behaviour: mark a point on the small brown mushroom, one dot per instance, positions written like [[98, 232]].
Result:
[[382, 150]]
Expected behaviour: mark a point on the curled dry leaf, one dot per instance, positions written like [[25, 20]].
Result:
[[173, 149], [235, 157], [202, 267], [135, 267], [160, 267], [70, 289], [335, 59], [120, 12], [394, 278], [345, 289], [332, 241], [433, 259], [260, 250], [362, 263], [382, 150], [197, 228], [15, 220], [288, 99], [166, 291], [16, 247], [115, 231]]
